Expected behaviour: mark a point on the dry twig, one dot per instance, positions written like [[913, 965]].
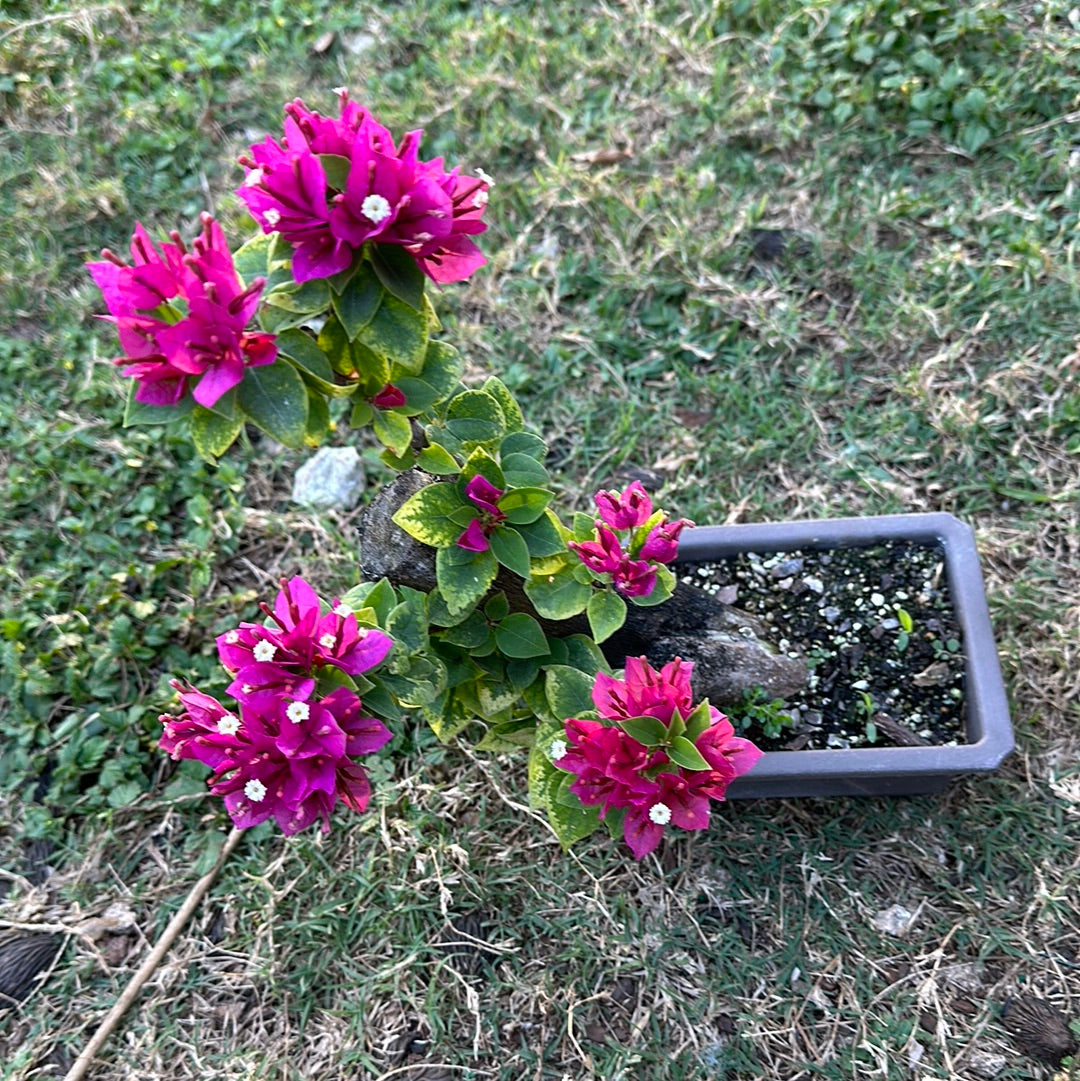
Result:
[[153, 959]]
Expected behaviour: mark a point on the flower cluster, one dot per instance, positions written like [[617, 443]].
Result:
[[287, 752], [648, 779], [484, 496], [649, 539], [181, 314], [331, 185]]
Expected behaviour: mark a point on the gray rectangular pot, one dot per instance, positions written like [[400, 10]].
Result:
[[882, 771]]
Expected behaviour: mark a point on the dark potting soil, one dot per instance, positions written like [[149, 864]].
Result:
[[877, 629]]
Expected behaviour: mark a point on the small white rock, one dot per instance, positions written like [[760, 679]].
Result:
[[985, 1063], [331, 479], [896, 920]]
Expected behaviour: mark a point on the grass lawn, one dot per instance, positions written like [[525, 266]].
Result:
[[784, 260]]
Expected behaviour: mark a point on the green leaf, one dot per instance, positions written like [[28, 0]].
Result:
[[419, 685], [683, 753], [568, 691], [280, 255], [275, 399], [676, 726], [510, 550], [436, 381], [584, 654], [524, 505], [532, 446], [357, 305], [443, 367], [420, 397], [339, 281], [437, 460], [399, 274], [379, 701], [523, 471], [974, 136], [571, 821], [522, 672], [141, 413], [698, 721], [333, 343], [507, 737], [559, 653], [392, 430], [557, 596], [318, 419], [398, 333], [463, 576], [378, 595], [497, 607], [447, 716], [251, 260], [373, 369], [584, 526], [665, 586], [606, 612], [542, 772], [519, 635], [472, 633], [426, 515], [650, 731], [511, 410], [329, 679], [212, 433], [481, 463], [363, 412], [306, 299], [280, 276], [495, 699], [124, 793], [303, 348], [613, 822], [407, 622], [305, 354], [475, 418], [542, 537], [336, 170], [274, 320]]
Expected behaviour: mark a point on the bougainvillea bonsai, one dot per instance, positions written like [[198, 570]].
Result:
[[323, 315]]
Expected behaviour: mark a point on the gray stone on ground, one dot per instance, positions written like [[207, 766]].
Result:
[[331, 480]]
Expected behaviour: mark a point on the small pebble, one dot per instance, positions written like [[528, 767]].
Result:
[[815, 585], [787, 568]]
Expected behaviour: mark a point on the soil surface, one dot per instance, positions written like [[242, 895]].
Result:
[[878, 630]]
